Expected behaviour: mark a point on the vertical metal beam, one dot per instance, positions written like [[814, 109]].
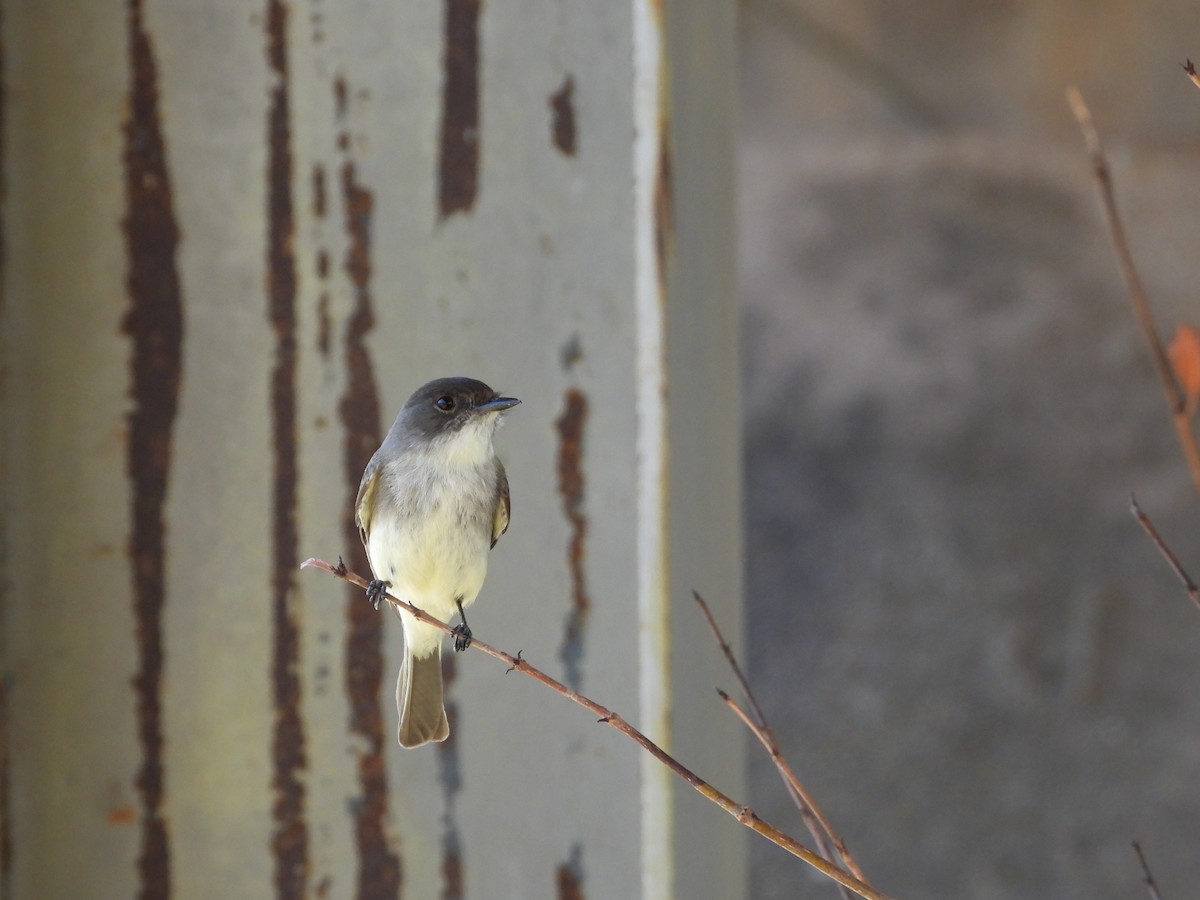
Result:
[[238, 241], [651, 253], [696, 229], [689, 441]]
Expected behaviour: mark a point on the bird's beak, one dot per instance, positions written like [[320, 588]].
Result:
[[498, 405]]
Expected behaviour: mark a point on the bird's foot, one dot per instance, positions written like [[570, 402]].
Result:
[[375, 591], [461, 632], [462, 637]]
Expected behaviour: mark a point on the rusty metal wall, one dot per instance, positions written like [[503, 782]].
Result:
[[235, 238]]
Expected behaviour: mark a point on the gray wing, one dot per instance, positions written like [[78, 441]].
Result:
[[503, 504]]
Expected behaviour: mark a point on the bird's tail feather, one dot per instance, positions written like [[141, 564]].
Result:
[[419, 699]]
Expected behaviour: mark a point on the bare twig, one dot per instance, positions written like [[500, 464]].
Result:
[[729, 657], [816, 826], [1192, 74], [816, 821], [743, 814], [1133, 284], [1149, 879], [1168, 554]]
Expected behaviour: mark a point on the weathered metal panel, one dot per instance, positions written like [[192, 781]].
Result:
[[245, 235], [78, 771]]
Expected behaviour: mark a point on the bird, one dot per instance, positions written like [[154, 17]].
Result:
[[432, 503]]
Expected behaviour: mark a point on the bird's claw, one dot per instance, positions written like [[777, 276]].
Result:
[[461, 632], [462, 637], [375, 591]]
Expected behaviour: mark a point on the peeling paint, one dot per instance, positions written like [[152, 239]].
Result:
[[289, 841], [458, 162], [562, 112], [568, 878], [379, 869], [570, 426], [154, 324]]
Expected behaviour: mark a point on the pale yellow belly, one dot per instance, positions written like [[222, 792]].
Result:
[[431, 563]]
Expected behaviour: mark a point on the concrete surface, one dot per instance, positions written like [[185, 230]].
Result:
[[972, 655]]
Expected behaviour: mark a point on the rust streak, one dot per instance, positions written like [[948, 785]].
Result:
[[452, 873], [318, 191], [379, 870], [569, 876], [154, 323], [289, 842], [562, 113], [324, 321], [570, 426], [341, 100], [450, 774], [324, 325], [458, 165], [664, 207], [320, 204]]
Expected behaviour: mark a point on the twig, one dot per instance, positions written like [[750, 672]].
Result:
[[816, 825], [743, 814], [1192, 74], [729, 657], [1149, 879], [1133, 284], [1168, 554], [808, 808]]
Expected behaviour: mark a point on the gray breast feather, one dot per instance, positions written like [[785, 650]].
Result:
[[415, 488]]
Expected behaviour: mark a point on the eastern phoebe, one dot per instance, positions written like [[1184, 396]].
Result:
[[433, 501]]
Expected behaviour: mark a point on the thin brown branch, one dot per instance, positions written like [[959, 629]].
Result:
[[1151, 886], [1192, 74], [1169, 555], [1133, 284], [744, 814], [762, 730], [815, 826], [730, 658]]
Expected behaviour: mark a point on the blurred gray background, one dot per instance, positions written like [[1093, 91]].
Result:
[[972, 655]]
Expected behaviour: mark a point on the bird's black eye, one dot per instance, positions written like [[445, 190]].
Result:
[[445, 404]]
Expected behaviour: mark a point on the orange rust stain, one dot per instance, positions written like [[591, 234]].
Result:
[[121, 815]]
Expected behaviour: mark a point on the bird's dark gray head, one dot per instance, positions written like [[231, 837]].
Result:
[[445, 406]]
